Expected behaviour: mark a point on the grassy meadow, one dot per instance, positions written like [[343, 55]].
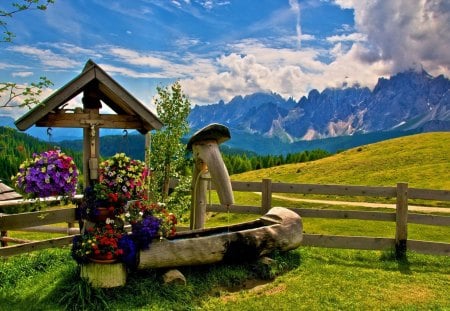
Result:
[[308, 278], [423, 161]]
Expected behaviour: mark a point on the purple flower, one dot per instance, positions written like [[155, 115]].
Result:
[[47, 174], [145, 231]]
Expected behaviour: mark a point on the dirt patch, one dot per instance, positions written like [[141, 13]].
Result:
[[255, 286], [267, 290], [249, 284]]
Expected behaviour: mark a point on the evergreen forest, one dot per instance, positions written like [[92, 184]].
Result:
[[15, 147]]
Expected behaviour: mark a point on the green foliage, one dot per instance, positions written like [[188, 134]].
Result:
[[77, 294], [240, 163], [13, 94], [167, 154], [10, 93]]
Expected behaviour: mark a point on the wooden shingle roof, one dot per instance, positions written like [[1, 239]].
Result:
[[93, 81]]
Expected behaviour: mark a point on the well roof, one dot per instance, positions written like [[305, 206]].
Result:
[[131, 113]]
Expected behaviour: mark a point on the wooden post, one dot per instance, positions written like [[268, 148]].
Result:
[[199, 197], [70, 225], [266, 195], [401, 229], [3, 233], [104, 275]]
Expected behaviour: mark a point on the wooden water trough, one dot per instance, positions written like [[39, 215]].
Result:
[[279, 229]]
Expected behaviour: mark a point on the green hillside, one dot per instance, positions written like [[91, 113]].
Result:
[[422, 160]]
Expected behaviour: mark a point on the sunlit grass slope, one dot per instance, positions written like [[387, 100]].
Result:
[[421, 160]]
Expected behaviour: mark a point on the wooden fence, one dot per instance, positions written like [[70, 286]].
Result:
[[401, 217]]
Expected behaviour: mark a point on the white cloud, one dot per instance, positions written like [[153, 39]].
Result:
[[354, 37], [46, 57], [391, 36], [22, 74], [295, 7], [255, 67], [404, 33]]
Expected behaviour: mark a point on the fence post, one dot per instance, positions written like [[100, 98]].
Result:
[[3, 234], [401, 221], [266, 195]]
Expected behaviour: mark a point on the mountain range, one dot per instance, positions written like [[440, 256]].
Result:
[[411, 100], [334, 119]]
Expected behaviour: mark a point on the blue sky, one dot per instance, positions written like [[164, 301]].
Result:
[[218, 49]]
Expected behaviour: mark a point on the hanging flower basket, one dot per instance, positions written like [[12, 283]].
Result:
[[123, 176], [50, 173]]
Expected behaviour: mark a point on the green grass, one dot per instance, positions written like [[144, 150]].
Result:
[[421, 160], [306, 279]]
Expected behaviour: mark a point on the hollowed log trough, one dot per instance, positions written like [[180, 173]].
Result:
[[279, 229]]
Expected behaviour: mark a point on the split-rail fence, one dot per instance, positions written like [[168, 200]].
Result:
[[400, 242]]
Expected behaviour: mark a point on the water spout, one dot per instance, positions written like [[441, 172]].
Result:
[[205, 147]]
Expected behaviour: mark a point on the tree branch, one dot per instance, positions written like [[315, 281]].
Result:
[[14, 92]]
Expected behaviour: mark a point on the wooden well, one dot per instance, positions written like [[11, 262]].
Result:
[[98, 88]]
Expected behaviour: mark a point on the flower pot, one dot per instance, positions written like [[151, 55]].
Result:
[[103, 213], [103, 259]]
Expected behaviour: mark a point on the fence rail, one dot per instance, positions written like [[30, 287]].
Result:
[[401, 217]]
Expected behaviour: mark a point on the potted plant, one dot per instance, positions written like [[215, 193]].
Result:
[[99, 244], [50, 173], [120, 179], [99, 204], [118, 198]]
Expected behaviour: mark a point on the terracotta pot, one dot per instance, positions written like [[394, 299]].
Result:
[[102, 258]]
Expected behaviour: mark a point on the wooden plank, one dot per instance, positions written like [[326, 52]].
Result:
[[83, 120], [334, 189], [61, 96], [428, 194], [239, 209], [34, 246], [17, 221], [246, 186], [125, 100], [344, 214], [432, 220], [7, 239], [49, 229], [432, 248], [349, 242], [21, 202]]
